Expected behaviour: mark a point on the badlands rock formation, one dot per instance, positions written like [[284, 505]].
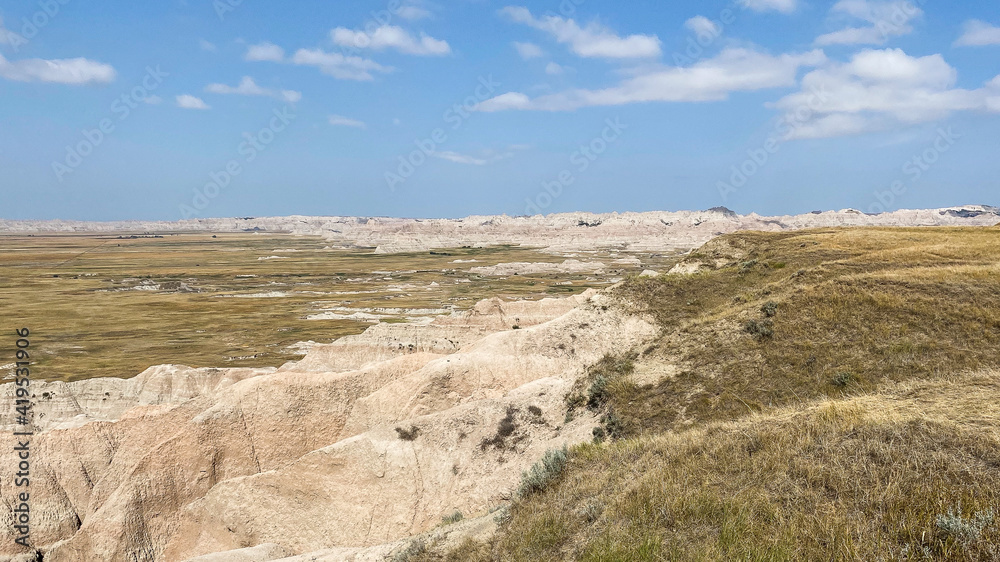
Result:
[[364, 442], [560, 233]]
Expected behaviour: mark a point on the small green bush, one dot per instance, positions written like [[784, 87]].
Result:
[[841, 380], [598, 393], [414, 549], [543, 472], [453, 518], [408, 434], [954, 525], [760, 329], [747, 266], [599, 435], [770, 309]]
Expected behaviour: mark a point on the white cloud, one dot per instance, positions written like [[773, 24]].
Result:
[[247, 87], [461, 158], [265, 52], [57, 71], [390, 37], [413, 12], [339, 66], [190, 102], [485, 157], [703, 26], [887, 19], [783, 6], [528, 50], [207, 46], [554, 69], [341, 121], [880, 89], [153, 100], [978, 34], [595, 40], [732, 70]]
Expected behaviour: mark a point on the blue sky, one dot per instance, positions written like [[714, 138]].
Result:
[[450, 108]]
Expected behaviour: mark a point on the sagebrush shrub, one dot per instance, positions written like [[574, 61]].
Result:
[[543, 472]]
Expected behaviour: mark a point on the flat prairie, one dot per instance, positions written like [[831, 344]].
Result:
[[115, 304]]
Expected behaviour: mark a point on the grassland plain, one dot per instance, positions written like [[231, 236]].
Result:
[[819, 395], [115, 304]]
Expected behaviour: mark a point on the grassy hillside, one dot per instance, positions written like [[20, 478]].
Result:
[[820, 395]]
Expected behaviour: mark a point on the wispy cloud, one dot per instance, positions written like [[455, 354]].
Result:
[[390, 37], [186, 101], [341, 121], [783, 6], [594, 40], [528, 50], [247, 87], [207, 46], [886, 19], [57, 71], [978, 33], [413, 11], [340, 66], [265, 52], [732, 70], [483, 158]]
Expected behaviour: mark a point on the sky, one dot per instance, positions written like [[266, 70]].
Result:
[[418, 108]]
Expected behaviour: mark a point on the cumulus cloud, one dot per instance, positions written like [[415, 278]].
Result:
[[880, 89], [57, 71], [978, 33], [152, 100], [339, 66], [886, 19], [247, 87], [265, 52], [732, 70], [390, 37], [595, 40], [783, 6], [186, 101], [341, 121], [528, 50], [554, 69]]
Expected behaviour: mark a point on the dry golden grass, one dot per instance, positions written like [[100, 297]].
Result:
[[864, 478], [854, 308], [68, 289], [856, 431]]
